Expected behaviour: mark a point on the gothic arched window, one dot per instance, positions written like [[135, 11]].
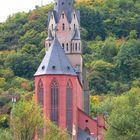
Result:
[[63, 26], [52, 26], [67, 46], [63, 16], [76, 46], [74, 26], [69, 107], [54, 102], [40, 93], [63, 45]]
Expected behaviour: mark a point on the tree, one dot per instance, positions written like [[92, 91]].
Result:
[[94, 22], [23, 65], [128, 60], [124, 120], [2, 82], [5, 134], [25, 120], [101, 73], [55, 133]]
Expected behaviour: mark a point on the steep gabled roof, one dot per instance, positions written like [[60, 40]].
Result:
[[82, 135], [50, 36], [54, 13], [76, 35], [55, 62]]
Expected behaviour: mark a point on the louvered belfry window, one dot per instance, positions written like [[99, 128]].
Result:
[[69, 107], [54, 102], [40, 94]]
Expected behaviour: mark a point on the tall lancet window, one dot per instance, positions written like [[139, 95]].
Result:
[[40, 94], [54, 102], [63, 26], [69, 107]]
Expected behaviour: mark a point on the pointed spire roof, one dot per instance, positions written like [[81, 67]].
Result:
[[50, 36], [55, 62], [76, 35], [64, 5]]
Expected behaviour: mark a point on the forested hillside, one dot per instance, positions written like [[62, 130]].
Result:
[[110, 30]]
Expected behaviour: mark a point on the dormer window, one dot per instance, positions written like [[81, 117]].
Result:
[[52, 26], [74, 15], [68, 67], [63, 27], [43, 67], [62, 3], [53, 67]]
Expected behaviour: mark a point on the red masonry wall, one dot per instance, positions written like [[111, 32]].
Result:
[[62, 82], [96, 127]]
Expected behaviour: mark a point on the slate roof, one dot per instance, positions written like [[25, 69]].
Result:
[[82, 135], [68, 9], [55, 62], [50, 36], [76, 35]]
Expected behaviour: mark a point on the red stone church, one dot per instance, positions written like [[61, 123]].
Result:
[[61, 87]]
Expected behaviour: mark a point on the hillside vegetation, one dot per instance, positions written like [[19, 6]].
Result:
[[110, 31]]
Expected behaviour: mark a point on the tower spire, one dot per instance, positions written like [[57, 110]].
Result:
[[63, 5]]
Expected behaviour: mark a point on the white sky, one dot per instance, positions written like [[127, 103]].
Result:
[[9, 7]]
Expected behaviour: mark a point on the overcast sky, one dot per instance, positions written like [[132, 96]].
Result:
[[9, 7]]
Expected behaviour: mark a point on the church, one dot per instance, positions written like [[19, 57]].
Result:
[[61, 87]]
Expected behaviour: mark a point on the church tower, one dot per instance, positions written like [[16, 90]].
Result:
[[61, 89], [58, 89], [64, 22]]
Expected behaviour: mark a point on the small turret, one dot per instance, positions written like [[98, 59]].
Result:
[[49, 39], [76, 42]]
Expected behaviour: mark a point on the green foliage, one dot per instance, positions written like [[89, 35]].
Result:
[[2, 82], [5, 134], [102, 73], [124, 120], [94, 22], [23, 65], [54, 133], [4, 121], [105, 106], [110, 31], [128, 60], [26, 119], [112, 39], [6, 73]]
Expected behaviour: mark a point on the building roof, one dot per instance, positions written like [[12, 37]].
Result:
[[68, 9], [82, 135], [76, 35], [63, 5], [50, 36], [55, 62]]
